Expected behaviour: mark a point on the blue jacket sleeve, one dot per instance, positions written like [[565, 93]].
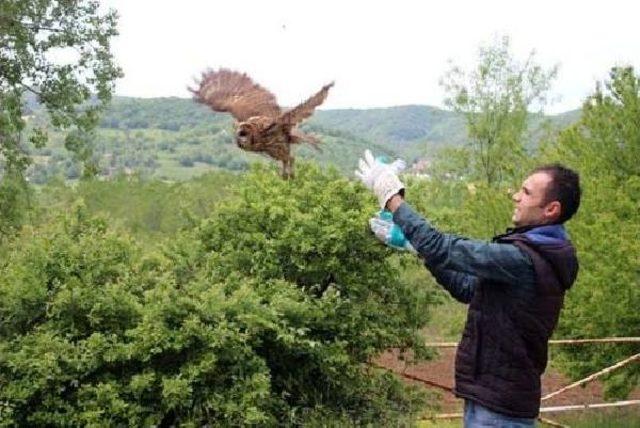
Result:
[[495, 262], [460, 285]]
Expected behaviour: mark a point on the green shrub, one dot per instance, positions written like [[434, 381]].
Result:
[[15, 204], [265, 314]]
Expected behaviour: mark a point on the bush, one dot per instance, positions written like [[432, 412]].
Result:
[[264, 314], [15, 204]]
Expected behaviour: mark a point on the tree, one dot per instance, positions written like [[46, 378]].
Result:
[[495, 99], [58, 52], [606, 140], [604, 146]]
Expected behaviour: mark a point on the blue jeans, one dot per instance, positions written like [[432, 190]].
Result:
[[477, 416]]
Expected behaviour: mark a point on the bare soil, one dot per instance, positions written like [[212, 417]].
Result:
[[440, 371]]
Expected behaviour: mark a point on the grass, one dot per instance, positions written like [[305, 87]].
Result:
[[170, 169], [611, 418], [443, 423], [447, 321]]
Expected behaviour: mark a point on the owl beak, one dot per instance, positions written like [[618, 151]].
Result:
[[242, 138]]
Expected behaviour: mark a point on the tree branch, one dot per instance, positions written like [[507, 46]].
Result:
[[29, 25], [32, 90]]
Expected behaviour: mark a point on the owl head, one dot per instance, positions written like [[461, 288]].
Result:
[[245, 134]]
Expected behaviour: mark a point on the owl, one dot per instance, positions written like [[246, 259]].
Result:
[[260, 124]]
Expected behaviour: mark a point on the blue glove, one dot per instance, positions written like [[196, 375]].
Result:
[[388, 232]]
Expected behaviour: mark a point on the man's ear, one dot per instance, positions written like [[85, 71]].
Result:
[[552, 211]]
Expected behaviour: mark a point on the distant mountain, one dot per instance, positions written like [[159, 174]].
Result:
[[160, 113], [176, 138], [410, 131], [396, 125]]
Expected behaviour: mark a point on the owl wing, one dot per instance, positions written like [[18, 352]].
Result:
[[235, 93], [305, 109]]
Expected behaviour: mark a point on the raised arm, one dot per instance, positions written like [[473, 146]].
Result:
[[499, 263]]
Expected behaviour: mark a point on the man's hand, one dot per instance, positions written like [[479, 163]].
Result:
[[389, 233], [380, 177], [394, 202]]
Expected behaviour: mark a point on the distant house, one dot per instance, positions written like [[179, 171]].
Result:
[[419, 169], [421, 166]]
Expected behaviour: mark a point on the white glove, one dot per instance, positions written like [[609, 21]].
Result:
[[380, 177], [389, 233]]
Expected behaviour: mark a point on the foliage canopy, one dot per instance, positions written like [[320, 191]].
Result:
[[495, 99], [266, 313], [58, 51]]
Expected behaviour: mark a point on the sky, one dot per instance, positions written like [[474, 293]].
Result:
[[379, 53]]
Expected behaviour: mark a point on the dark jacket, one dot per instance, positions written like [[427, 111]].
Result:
[[515, 286]]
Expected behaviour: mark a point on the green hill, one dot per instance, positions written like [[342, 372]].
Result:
[[397, 125], [175, 138]]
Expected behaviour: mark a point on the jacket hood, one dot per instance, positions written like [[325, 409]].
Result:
[[554, 234], [553, 244]]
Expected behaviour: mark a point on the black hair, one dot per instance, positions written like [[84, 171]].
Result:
[[564, 188]]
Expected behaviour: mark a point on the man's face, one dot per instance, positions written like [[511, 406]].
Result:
[[530, 207]]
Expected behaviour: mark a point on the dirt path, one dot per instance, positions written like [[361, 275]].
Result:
[[441, 371]]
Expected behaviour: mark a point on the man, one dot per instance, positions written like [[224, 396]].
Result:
[[515, 286]]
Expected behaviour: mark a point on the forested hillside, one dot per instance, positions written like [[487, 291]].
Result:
[[175, 138]]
